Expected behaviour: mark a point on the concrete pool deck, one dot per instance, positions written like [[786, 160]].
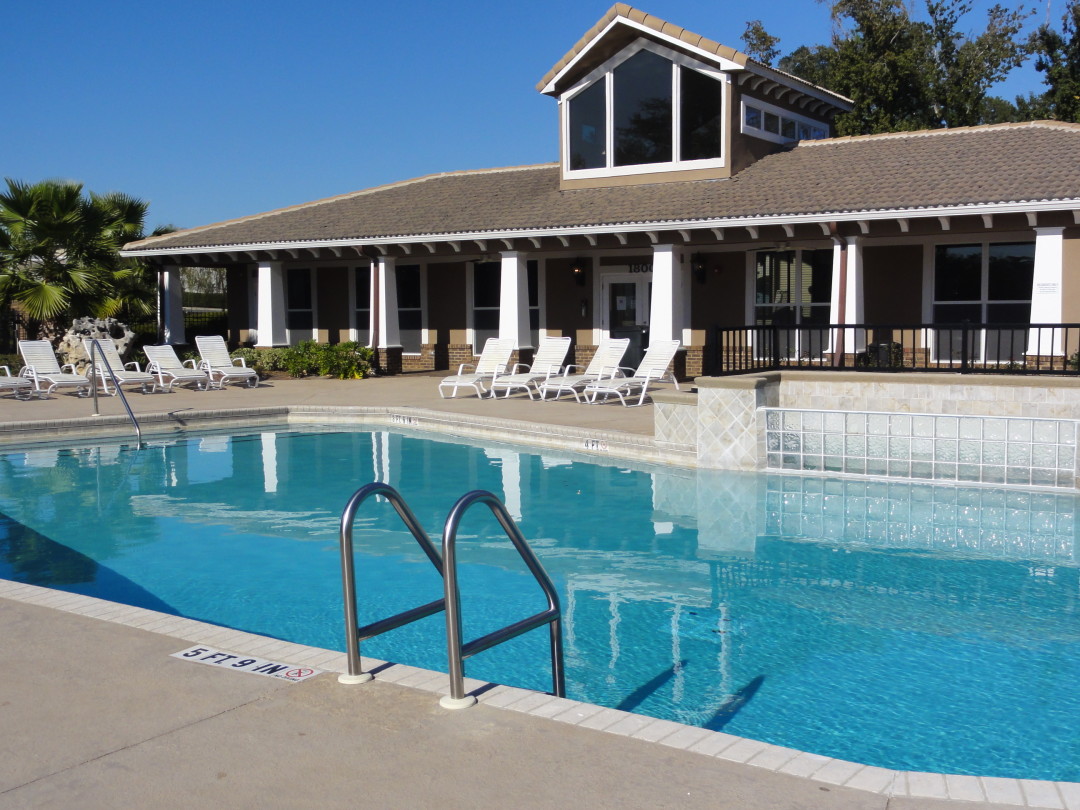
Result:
[[96, 713]]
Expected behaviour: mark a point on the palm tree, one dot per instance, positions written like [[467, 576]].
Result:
[[59, 254]]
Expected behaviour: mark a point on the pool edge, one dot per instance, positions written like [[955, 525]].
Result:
[[737, 750]]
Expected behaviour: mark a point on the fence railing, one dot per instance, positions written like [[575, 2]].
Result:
[[1041, 348]]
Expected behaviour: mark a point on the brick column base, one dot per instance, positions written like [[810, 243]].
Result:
[[388, 360]]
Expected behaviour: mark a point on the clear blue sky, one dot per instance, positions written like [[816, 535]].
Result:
[[214, 110]]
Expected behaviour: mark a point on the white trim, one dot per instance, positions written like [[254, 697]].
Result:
[[780, 112], [705, 56]]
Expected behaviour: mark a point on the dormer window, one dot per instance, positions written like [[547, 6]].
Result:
[[649, 109], [763, 120]]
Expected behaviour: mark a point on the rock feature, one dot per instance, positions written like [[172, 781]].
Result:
[[71, 348]]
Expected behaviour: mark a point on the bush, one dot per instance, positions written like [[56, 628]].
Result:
[[345, 361], [304, 359]]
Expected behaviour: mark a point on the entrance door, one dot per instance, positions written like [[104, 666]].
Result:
[[626, 313]]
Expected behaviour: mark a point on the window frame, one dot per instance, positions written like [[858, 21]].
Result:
[[767, 109], [604, 73]]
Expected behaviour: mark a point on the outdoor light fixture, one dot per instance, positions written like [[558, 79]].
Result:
[[577, 270], [698, 268]]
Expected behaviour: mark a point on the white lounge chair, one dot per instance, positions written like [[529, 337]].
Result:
[[547, 363], [493, 360], [221, 368], [604, 363], [122, 373], [654, 366], [19, 387], [163, 362], [45, 372]]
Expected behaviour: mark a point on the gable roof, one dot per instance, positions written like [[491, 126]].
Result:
[[622, 24], [988, 169]]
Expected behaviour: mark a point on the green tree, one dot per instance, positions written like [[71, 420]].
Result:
[[759, 43], [906, 74], [59, 254], [1057, 57]]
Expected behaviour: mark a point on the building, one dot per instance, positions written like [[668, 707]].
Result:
[[697, 191]]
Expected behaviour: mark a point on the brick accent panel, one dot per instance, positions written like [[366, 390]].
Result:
[[425, 361], [388, 361], [695, 362], [583, 353], [458, 353]]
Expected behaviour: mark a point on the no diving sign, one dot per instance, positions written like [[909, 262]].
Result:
[[241, 663]]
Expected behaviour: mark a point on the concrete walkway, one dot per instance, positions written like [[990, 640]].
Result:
[[96, 713]]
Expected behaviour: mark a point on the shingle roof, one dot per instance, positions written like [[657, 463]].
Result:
[[993, 165]]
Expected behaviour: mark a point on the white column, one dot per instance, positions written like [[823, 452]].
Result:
[[847, 282], [668, 291], [271, 324], [172, 304], [269, 461], [389, 334], [1046, 291], [514, 299]]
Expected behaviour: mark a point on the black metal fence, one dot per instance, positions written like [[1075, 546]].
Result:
[[1043, 348], [205, 322]]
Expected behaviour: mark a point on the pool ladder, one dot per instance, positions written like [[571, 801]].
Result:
[[446, 565], [95, 349]]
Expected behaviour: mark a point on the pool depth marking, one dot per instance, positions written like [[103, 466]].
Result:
[[243, 663]]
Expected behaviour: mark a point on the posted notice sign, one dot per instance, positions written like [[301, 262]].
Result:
[[245, 663]]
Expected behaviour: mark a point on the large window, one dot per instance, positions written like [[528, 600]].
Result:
[[362, 304], [410, 308], [647, 110], [299, 308], [487, 284], [987, 283], [793, 288], [781, 126]]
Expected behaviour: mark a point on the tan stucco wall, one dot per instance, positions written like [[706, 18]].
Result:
[[332, 303], [446, 302], [1070, 277], [236, 302], [563, 297], [892, 280]]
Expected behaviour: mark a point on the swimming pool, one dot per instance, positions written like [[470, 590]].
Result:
[[911, 626]]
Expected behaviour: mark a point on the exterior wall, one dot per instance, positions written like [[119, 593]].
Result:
[[1070, 277], [333, 304], [237, 296], [445, 316], [564, 299], [892, 281]]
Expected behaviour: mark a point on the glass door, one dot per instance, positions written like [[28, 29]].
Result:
[[626, 313]]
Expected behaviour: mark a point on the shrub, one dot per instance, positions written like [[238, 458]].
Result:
[[346, 361], [303, 359]]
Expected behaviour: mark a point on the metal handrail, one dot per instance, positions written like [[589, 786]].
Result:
[[457, 652], [354, 634], [95, 348]]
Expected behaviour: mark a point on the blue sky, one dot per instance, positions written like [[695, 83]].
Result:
[[215, 110]]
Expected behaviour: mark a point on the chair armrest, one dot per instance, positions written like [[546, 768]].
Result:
[[69, 366], [7, 371], [191, 362], [239, 361], [133, 364], [463, 366], [520, 367], [570, 368]]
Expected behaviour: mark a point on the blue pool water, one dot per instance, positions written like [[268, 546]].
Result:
[[910, 626]]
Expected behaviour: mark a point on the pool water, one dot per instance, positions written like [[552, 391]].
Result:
[[910, 626]]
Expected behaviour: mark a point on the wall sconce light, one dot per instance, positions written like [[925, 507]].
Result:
[[577, 270], [698, 267]]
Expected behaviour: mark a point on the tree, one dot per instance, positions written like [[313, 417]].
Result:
[[906, 74], [760, 44], [59, 254], [1057, 57]]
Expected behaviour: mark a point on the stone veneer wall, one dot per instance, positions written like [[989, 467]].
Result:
[[984, 428]]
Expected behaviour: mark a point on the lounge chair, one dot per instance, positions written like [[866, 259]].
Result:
[[221, 368], [43, 369], [547, 363], [19, 387], [604, 363], [122, 373], [654, 366], [163, 362], [493, 361]]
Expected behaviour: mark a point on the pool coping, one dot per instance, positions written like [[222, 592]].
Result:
[[739, 750]]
